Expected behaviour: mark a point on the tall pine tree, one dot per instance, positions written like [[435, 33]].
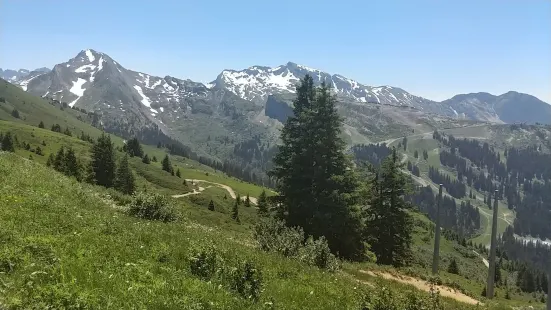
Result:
[[124, 181], [316, 183], [235, 212], [102, 165], [7, 143], [167, 166], [389, 226], [262, 204]]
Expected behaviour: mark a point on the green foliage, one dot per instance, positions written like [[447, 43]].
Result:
[[178, 174], [262, 204], [389, 225], [15, 113], [66, 162], [102, 164], [56, 128], [274, 236], [211, 205], [133, 148], [41, 124], [154, 159], [452, 267], [67, 132], [166, 165], [235, 212], [206, 263], [124, 181], [152, 207], [246, 279], [247, 201], [146, 159], [316, 183], [8, 143]]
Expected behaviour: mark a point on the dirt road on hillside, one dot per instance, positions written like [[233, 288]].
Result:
[[424, 286], [224, 186]]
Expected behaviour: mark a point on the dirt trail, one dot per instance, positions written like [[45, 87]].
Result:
[[425, 286], [224, 186], [484, 260]]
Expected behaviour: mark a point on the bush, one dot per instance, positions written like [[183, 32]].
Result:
[[246, 279], [273, 236], [317, 253], [206, 263], [152, 207]]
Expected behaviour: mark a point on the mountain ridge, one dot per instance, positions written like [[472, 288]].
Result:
[[256, 83]]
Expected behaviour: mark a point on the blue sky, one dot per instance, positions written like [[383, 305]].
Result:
[[434, 49]]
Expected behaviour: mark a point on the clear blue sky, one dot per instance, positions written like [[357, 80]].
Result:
[[433, 48]]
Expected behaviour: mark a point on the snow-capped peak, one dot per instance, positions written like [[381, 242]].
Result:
[[256, 83]]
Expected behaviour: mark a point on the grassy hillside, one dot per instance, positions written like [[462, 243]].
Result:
[[67, 244]]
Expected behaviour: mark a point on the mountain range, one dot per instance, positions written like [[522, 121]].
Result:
[[252, 104]]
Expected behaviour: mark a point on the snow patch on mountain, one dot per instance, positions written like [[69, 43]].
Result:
[[85, 68], [145, 101], [77, 90], [90, 55], [100, 65]]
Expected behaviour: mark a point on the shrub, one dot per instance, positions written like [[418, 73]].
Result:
[[273, 236], [246, 280], [152, 207], [317, 253], [206, 263]]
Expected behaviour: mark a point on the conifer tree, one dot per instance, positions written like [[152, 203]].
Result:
[[389, 226], [235, 212], [154, 159], [71, 165], [41, 125], [178, 173], [316, 184], [262, 204], [167, 166], [7, 143], [145, 159], [15, 113], [50, 161], [453, 268], [59, 160], [225, 196], [133, 148], [67, 132], [211, 205], [102, 165], [238, 199], [247, 201], [124, 181]]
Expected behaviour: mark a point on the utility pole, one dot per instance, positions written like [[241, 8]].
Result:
[[436, 254], [493, 244]]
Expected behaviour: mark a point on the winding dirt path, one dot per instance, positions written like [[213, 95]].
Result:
[[445, 291], [224, 186]]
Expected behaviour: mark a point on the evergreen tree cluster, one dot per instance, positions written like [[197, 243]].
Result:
[[464, 220], [7, 143], [66, 162], [454, 187], [133, 148], [103, 169], [320, 192], [413, 169], [316, 183], [371, 153]]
